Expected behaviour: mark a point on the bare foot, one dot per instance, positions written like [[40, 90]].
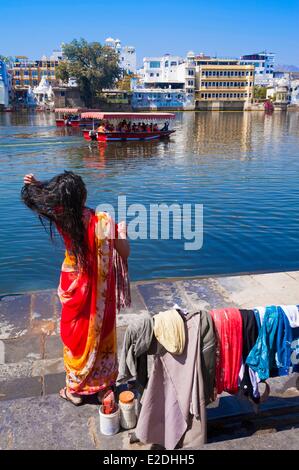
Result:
[[72, 397]]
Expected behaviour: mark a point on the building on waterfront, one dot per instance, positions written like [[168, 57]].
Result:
[[264, 66], [157, 99], [5, 86], [168, 82], [28, 73], [222, 83], [127, 55], [43, 94]]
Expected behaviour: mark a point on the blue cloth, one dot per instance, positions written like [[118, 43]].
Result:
[[295, 349], [283, 344], [261, 358]]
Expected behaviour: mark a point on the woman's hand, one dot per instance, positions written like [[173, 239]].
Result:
[[122, 230], [122, 245], [30, 179]]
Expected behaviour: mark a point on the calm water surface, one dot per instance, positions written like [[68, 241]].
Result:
[[243, 167]]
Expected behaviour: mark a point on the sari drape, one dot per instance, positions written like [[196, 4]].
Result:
[[88, 318]]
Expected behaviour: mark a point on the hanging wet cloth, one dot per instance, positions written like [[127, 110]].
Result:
[[228, 327], [261, 358]]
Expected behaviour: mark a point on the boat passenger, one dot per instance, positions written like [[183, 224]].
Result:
[[155, 128], [87, 289], [165, 127], [101, 128]]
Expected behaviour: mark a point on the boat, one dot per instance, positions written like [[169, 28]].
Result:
[[71, 117], [128, 126]]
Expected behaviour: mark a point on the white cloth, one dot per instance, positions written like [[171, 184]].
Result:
[[262, 311], [292, 313]]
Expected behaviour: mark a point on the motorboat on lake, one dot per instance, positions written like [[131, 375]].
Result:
[[115, 127], [71, 117]]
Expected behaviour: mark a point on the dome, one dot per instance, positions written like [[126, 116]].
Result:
[[190, 54], [109, 40]]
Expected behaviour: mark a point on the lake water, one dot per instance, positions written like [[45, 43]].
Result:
[[243, 168]]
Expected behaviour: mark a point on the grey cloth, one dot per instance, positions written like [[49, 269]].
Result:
[[133, 359], [207, 351], [208, 355], [173, 405]]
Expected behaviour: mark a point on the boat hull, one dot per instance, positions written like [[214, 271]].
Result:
[[126, 136], [75, 123]]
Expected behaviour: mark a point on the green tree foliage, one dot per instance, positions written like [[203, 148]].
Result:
[[260, 92], [92, 65]]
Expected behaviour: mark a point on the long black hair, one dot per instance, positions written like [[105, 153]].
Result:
[[60, 201]]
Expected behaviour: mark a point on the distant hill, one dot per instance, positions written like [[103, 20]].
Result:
[[286, 68]]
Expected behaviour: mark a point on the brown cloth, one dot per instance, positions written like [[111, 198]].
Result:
[[173, 409]]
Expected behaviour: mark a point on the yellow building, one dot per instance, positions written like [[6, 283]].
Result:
[[223, 84], [27, 72]]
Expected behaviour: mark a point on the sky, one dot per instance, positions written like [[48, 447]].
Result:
[[217, 27]]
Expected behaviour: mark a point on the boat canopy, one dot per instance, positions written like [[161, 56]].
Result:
[[69, 110], [137, 116]]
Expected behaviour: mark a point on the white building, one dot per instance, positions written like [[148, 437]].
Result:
[[169, 72], [264, 66], [127, 55], [43, 94], [295, 92]]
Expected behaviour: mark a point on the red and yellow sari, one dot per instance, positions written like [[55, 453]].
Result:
[[88, 320]]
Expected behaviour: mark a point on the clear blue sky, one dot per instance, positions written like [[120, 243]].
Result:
[[154, 27]]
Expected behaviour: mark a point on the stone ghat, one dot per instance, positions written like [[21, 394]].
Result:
[[31, 365]]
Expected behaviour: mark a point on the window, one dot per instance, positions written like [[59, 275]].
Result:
[[213, 95], [190, 82], [157, 74], [203, 73], [151, 74], [154, 64], [166, 63], [62, 93], [209, 95], [172, 63], [26, 72], [17, 82], [216, 95], [191, 72], [221, 73]]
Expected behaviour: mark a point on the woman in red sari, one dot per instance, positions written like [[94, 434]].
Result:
[[93, 282]]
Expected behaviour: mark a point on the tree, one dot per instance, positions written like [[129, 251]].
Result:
[[92, 65], [260, 92]]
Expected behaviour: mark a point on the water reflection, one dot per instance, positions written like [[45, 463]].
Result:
[[243, 167]]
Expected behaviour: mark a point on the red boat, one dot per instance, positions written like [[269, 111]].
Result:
[[71, 117], [128, 126]]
